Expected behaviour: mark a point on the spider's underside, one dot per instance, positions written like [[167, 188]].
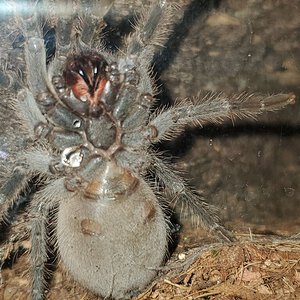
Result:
[[89, 121]]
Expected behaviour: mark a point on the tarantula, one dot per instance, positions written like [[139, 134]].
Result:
[[90, 125]]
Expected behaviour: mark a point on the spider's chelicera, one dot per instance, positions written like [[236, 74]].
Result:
[[86, 74], [90, 123]]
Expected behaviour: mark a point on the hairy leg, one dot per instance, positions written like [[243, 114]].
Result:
[[34, 162], [10, 190], [189, 202], [214, 108], [43, 202], [30, 23], [90, 22], [151, 31], [61, 15]]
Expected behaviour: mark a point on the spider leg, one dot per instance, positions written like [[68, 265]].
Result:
[[35, 53], [38, 252], [61, 16], [11, 67], [90, 24], [11, 189], [35, 161], [43, 202], [213, 109], [189, 201], [28, 112], [150, 30], [169, 123], [41, 95], [30, 163]]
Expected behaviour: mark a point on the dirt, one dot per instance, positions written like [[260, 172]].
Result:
[[244, 271], [256, 267], [250, 170]]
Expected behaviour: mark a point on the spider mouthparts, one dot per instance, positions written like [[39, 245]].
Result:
[[85, 74]]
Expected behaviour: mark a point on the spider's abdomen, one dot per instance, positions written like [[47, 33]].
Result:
[[114, 243]]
